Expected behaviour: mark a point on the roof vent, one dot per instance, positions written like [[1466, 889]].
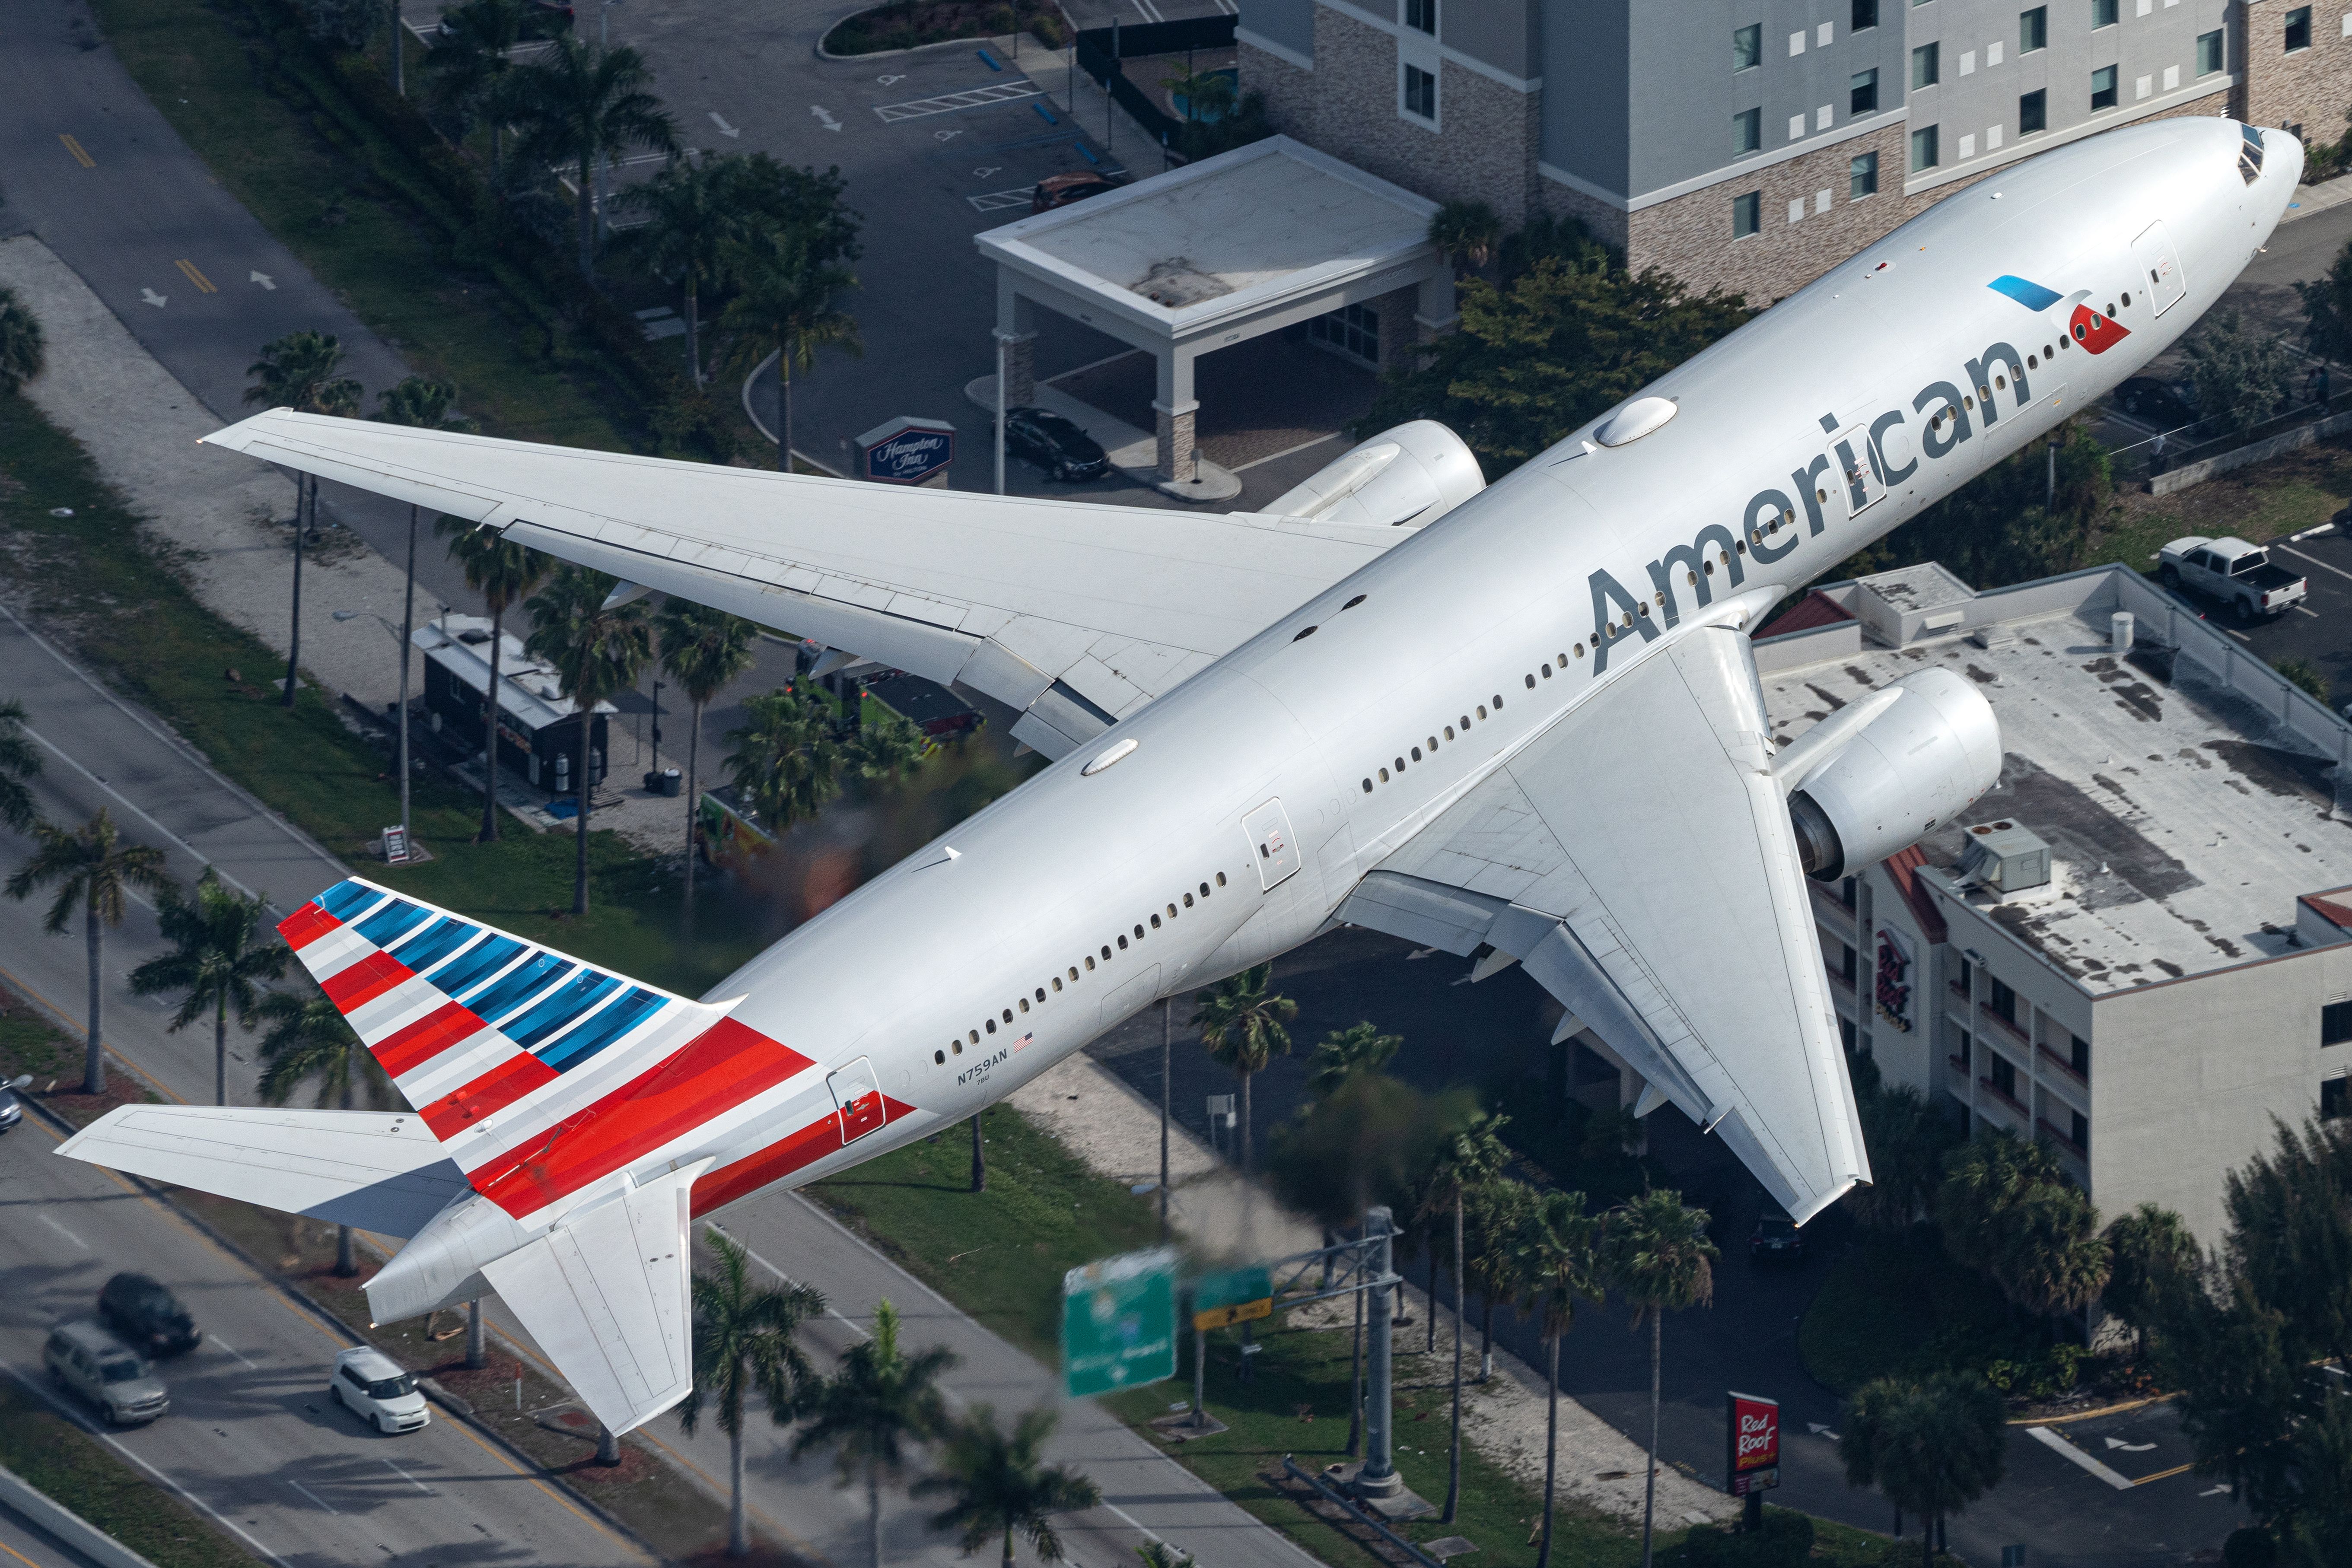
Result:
[[2005, 858], [1636, 420]]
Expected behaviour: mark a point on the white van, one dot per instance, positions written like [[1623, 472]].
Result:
[[373, 1387]]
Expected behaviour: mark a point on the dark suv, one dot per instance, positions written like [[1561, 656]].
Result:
[[1054, 445], [146, 1316], [1776, 1239]]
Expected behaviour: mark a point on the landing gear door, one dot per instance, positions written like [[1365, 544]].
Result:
[[2159, 266], [859, 1097], [1272, 844]]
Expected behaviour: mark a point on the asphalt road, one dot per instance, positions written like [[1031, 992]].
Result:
[[24, 1542]]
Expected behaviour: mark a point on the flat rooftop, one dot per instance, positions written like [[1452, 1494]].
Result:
[[2187, 791]]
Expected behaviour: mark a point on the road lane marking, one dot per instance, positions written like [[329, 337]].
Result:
[[724, 129], [149, 296], [824, 117], [79, 154], [315, 1497], [50, 1221], [2312, 614], [412, 1481], [127, 1064], [2316, 561], [2049, 1439], [19, 1556], [215, 1338], [188, 270], [263, 279], [950, 102], [2167, 1475], [561, 1499], [127, 804], [830, 1309], [2131, 1448]]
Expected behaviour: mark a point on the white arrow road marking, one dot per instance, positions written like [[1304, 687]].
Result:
[[263, 279], [2049, 1439], [1818, 1430], [724, 129], [2129, 1447], [2214, 1491], [152, 298], [824, 117]]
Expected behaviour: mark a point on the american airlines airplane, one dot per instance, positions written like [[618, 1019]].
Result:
[[1522, 719]]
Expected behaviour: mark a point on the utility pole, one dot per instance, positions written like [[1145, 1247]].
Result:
[[1379, 1478], [399, 77], [407, 622], [1110, 99], [1167, 1053], [1000, 413]]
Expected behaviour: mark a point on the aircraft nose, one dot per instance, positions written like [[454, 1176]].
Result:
[[2271, 157]]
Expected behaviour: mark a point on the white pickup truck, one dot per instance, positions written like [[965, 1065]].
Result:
[[2238, 573]]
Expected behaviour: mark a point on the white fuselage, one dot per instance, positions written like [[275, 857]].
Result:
[[1077, 901]]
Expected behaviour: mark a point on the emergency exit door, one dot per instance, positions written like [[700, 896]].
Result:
[[1272, 844], [2160, 268], [859, 1098]]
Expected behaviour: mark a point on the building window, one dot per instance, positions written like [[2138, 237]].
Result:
[[2298, 28], [2032, 111], [1421, 92], [1923, 155], [1847, 964], [2335, 1022], [2004, 1001], [1960, 1055], [1863, 97], [2335, 1098], [1747, 47], [2001, 1072], [2209, 52], [1422, 15], [1747, 214], [1748, 130], [2034, 29], [1861, 177], [1926, 65], [2079, 1058], [1865, 15], [2079, 1125], [2103, 13], [1354, 331], [2102, 89]]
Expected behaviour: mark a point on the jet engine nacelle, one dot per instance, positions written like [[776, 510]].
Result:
[[1928, 748], [1402, 478]]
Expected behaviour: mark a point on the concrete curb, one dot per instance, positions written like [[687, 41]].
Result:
[[65, 1524], [2092, 1415], [976, 40]]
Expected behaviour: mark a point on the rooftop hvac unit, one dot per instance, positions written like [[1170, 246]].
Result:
[[2003, 856]]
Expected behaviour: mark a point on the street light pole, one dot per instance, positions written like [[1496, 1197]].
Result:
[[1000, 413], [1166, 1006], [407, 625]]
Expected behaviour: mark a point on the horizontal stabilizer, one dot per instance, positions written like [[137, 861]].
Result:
[[381, 1171], [605, 1295]]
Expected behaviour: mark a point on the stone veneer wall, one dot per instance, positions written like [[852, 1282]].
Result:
[[1289, 91], [2311, 87]]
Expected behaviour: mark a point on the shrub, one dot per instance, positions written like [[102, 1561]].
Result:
[[1785, 1541]]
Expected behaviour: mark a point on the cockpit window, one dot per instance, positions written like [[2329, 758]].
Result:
[[2249, 154]]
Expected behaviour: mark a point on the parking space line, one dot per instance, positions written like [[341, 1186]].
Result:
[[79, 154], [2316, 561], [950, 102], [2049, 1439], [996, 201]]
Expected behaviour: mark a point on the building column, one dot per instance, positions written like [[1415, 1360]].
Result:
[[1434, 304], [1399, 330], [1176, 409], [1016, 335]]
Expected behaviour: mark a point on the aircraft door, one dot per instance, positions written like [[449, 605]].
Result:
[[860, 1096], [1857, 475], [2159, 266], [1272, 844]]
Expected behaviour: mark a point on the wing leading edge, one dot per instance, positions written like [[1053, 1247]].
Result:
[[1075, 615], [1638, 859]]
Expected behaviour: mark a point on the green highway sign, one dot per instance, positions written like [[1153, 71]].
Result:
[[1236, 1295], [1118, 1322]]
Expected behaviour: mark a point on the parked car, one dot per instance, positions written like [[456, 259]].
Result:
[[1776, 1239], [1061, 190], [378, 1390], [142, 1312], [92, 1362], [2163, 405], [11, 1113], [1053, 444], [2238, 573]]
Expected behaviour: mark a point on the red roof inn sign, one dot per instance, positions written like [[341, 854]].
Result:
[[1752, 1461]]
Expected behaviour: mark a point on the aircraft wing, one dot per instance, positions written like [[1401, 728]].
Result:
[[1075, 615], [1638, 859], [382, 1171], [606, 1294]]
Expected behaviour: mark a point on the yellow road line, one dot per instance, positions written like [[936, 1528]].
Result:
[[19, 1556], [79, 155], [2163, 1475], [188, 269]]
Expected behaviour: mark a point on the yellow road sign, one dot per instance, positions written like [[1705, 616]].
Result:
[[1240, 1312]]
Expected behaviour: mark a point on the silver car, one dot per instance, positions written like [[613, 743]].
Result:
[[106, 1372]]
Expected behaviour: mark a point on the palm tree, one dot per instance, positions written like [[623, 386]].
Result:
[[305, 1039], [297, 372], [786, 762], [1242, 1022], [703, 649], [2154, 1265], [880, 1401], [1660, 1259], [20, 759], [1495, 1210], [1557, 1265], [90, 866], [1343, 1053], [1932, 1447], [694, 209], [502, 572], [746, 1343], [580, 103], [426, 406], [1466, 231], [23, 347], [886, 750], [221, 951], [469, 62], [596, 648], [998, 1487], [1474, 1155], [783, 298]]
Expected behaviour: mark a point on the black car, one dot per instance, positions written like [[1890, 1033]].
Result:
[[1053, 444], [1775, 1240], [2163, 405], [146, 1316]]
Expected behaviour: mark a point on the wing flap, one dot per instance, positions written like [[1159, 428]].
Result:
[[382, 1171], [605, 1294]]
